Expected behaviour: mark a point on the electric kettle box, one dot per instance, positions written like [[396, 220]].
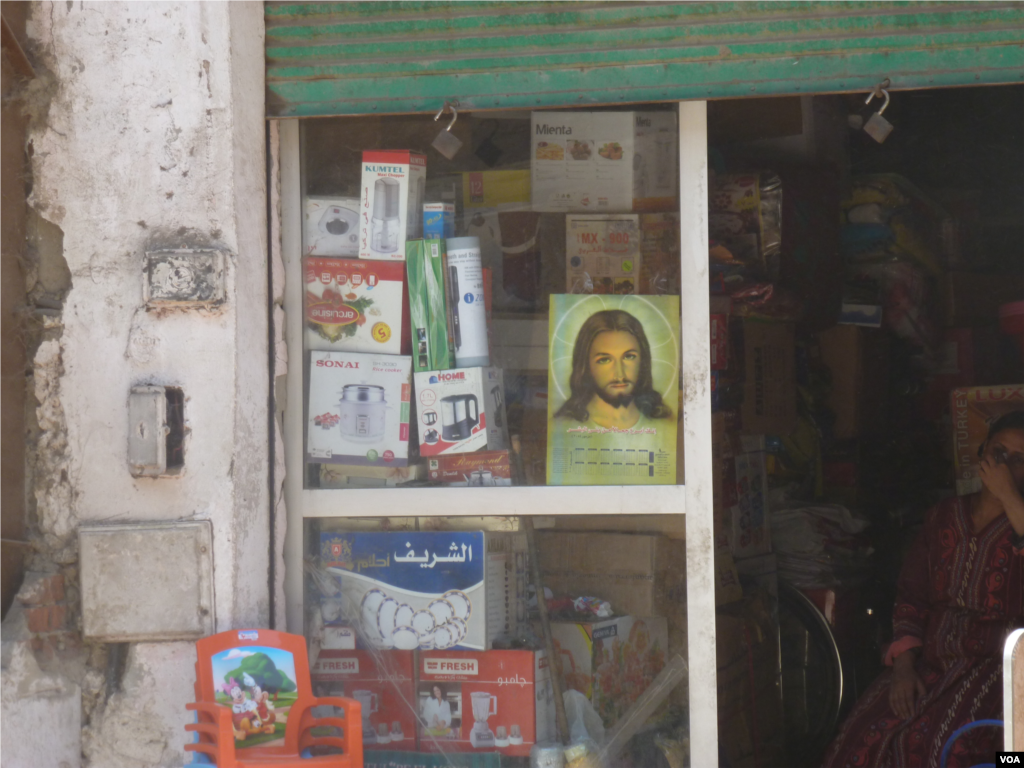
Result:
[[490, 701], [330, 226], [358, 409], [459, 410], [391, 202], [354, 305], [481, 468], [602, 253], [382, 683]]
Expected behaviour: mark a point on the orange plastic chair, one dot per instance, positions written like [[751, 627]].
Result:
[[254, 705]]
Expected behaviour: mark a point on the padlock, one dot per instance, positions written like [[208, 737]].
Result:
[[446, 142], [877, 127]]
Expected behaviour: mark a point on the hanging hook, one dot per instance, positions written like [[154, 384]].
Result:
[[448, 105]]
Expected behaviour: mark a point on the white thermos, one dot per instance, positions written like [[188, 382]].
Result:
[[465, 284]]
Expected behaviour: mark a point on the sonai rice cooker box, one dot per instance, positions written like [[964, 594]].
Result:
[[354, 305], [358, 409], [382, 683], [495, 701], [330, 226], [426, 590], [391, 202], [460, 410]]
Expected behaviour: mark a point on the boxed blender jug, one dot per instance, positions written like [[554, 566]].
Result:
[[391, 202], [358, 409], [460, 410], [330, 226], [490, 701]]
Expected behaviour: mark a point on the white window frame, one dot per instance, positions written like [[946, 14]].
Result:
[[694, 497]]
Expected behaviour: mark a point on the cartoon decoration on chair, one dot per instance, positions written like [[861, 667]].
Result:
[[259, 686]]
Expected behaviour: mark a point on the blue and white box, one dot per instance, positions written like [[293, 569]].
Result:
[[438, 220]]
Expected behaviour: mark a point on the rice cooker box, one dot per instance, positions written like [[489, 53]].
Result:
[[391, 202], [382, 683], [358, 409], [330, 226], [460, 410], [354, 305], [598, 162], [602, 253], [428, 590], [495, 701], [974, 410]]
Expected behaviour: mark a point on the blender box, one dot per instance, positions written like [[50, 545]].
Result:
[[424, 589], [391, 200], [491, 701], [610, 661], [482, 469], [438, 220], [428, 307], [354, 305], [330, 226], [358, 409], [382, 683], [602, 253], [974, 409], [604, 161], [460, 410]]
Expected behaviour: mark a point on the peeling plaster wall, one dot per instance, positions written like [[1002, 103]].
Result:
[[154, 137]]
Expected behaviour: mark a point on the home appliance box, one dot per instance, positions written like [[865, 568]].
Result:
[[331, 226], [358, 409], [391, 202], [354, 305], [491, 701], [602, 253], [481, 468], [460, 410], [428, 307], [610, 661], [604, 161], [427, 590], [974, 409], [438, 220], [382, 683]]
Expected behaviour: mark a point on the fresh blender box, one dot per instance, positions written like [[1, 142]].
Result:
[[491, 701], [438, 220], [602, 253], [391, 202], [427, 590], [330, 226], [428, 307], [382, 683], [358, 409], [482, 469], [354, 305], [460, 410], [973, 410], [603, 161]]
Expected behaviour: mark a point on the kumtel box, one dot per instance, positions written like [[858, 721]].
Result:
[[391, 202], [491, 701], [460, 410]]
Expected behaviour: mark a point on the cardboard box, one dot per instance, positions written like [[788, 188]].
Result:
[[428, 306], [424, 589], [727, 580], [974, 409], [602, 254], [391, 200], [330, 226], [769, 390], [382, 682], [611, 661], [342, 476], [354, 306], [508, 190], [659, 253], [495, 701], [438, 220], [749, 531], [482, 468], [859, 361], [721, 306], [603, 161], [358, 409], [460, 410]]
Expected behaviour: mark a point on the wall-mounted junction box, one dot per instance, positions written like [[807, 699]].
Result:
[[189, 278], [156, 426]]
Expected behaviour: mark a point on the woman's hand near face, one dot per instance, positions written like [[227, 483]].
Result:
[[906, 686], [997, 477]]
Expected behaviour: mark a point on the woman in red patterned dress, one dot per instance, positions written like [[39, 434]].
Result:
[[958, 596]]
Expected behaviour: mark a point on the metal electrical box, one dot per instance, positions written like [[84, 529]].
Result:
[[147, 431]]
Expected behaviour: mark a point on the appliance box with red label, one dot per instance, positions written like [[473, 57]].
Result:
[[602, 254], [390, 203], [482, 469], [382, 683], [460, 410], [489, 701]]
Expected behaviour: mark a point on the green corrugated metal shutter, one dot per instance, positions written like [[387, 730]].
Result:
[[390, 57]]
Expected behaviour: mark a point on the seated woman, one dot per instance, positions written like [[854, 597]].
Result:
[[958, 596]]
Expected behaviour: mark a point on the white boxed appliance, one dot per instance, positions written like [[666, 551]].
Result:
[[330, 226], [612, 162], [602, 253], [358, 409], [391, 203], [460, 410]]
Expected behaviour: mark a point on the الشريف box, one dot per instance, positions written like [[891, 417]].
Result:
[[602, 253], [494, 701], [382, 683], [460, 410], [354, 305], [358, 409], [974, 410], [481, 468], [391, 202], [331, 226]]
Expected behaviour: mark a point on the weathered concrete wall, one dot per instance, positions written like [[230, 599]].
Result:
[[153, 138]]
